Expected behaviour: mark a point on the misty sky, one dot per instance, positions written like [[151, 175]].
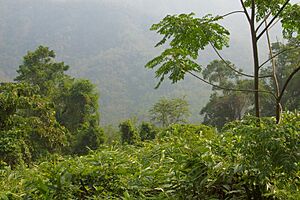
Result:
[[240, 40], [151, 11]]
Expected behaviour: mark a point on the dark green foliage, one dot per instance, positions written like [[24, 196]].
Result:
[[129, 134], [88, 138], [78, 110], [148, 131], [225, 108], [79, 104], [40, 69], [75, 101], [214, 111]]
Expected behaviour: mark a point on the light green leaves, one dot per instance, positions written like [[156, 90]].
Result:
[[288, 13], [291, 21], [264, 7], [188, 35]]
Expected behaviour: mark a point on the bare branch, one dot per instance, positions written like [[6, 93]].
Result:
[[233, 69], [287, 82], [273, 19], [233, 12], [275, 78], [229, 89], [277, 54], [228, 65], [264, 20]]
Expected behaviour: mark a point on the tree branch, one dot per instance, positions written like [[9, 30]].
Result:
[[233, 69], [229, 89], [275, 78], [252, 12], [272, 57], [274, 24], [264, 20], [227, 64], [287, 82], [245, 10], [273, 19], [233, 12]]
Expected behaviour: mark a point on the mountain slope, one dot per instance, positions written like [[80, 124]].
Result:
[[108, 42]]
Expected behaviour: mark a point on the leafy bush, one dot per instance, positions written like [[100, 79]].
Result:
[[129, 134], [266, 158], [28, 127], [89, 137], [184, 162], [147, 131]]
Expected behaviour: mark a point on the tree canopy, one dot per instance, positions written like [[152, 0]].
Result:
[[70, 105], [170, 111]]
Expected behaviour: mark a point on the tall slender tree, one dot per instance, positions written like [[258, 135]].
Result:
[[188, 35]]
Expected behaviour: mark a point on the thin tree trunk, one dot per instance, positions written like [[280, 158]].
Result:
[[278, 111], [256, 79], [255, 61], [275, 79]]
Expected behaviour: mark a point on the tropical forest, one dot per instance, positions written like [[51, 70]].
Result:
[[158, 100]]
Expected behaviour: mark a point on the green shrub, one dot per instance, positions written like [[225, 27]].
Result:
[[147, 131], [184, 162], [266, 157], [88, 138], [129, 134]]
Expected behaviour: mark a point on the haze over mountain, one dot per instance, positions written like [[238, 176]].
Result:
[[109, 42]]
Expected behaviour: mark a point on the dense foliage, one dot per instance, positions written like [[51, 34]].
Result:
[[129, 134], [184, 162], [28, 127], [47, 111], [52, 145]]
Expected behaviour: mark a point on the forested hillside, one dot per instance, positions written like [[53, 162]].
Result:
[[107, 42]]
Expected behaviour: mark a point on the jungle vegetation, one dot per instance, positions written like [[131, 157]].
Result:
[[52, 145]]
